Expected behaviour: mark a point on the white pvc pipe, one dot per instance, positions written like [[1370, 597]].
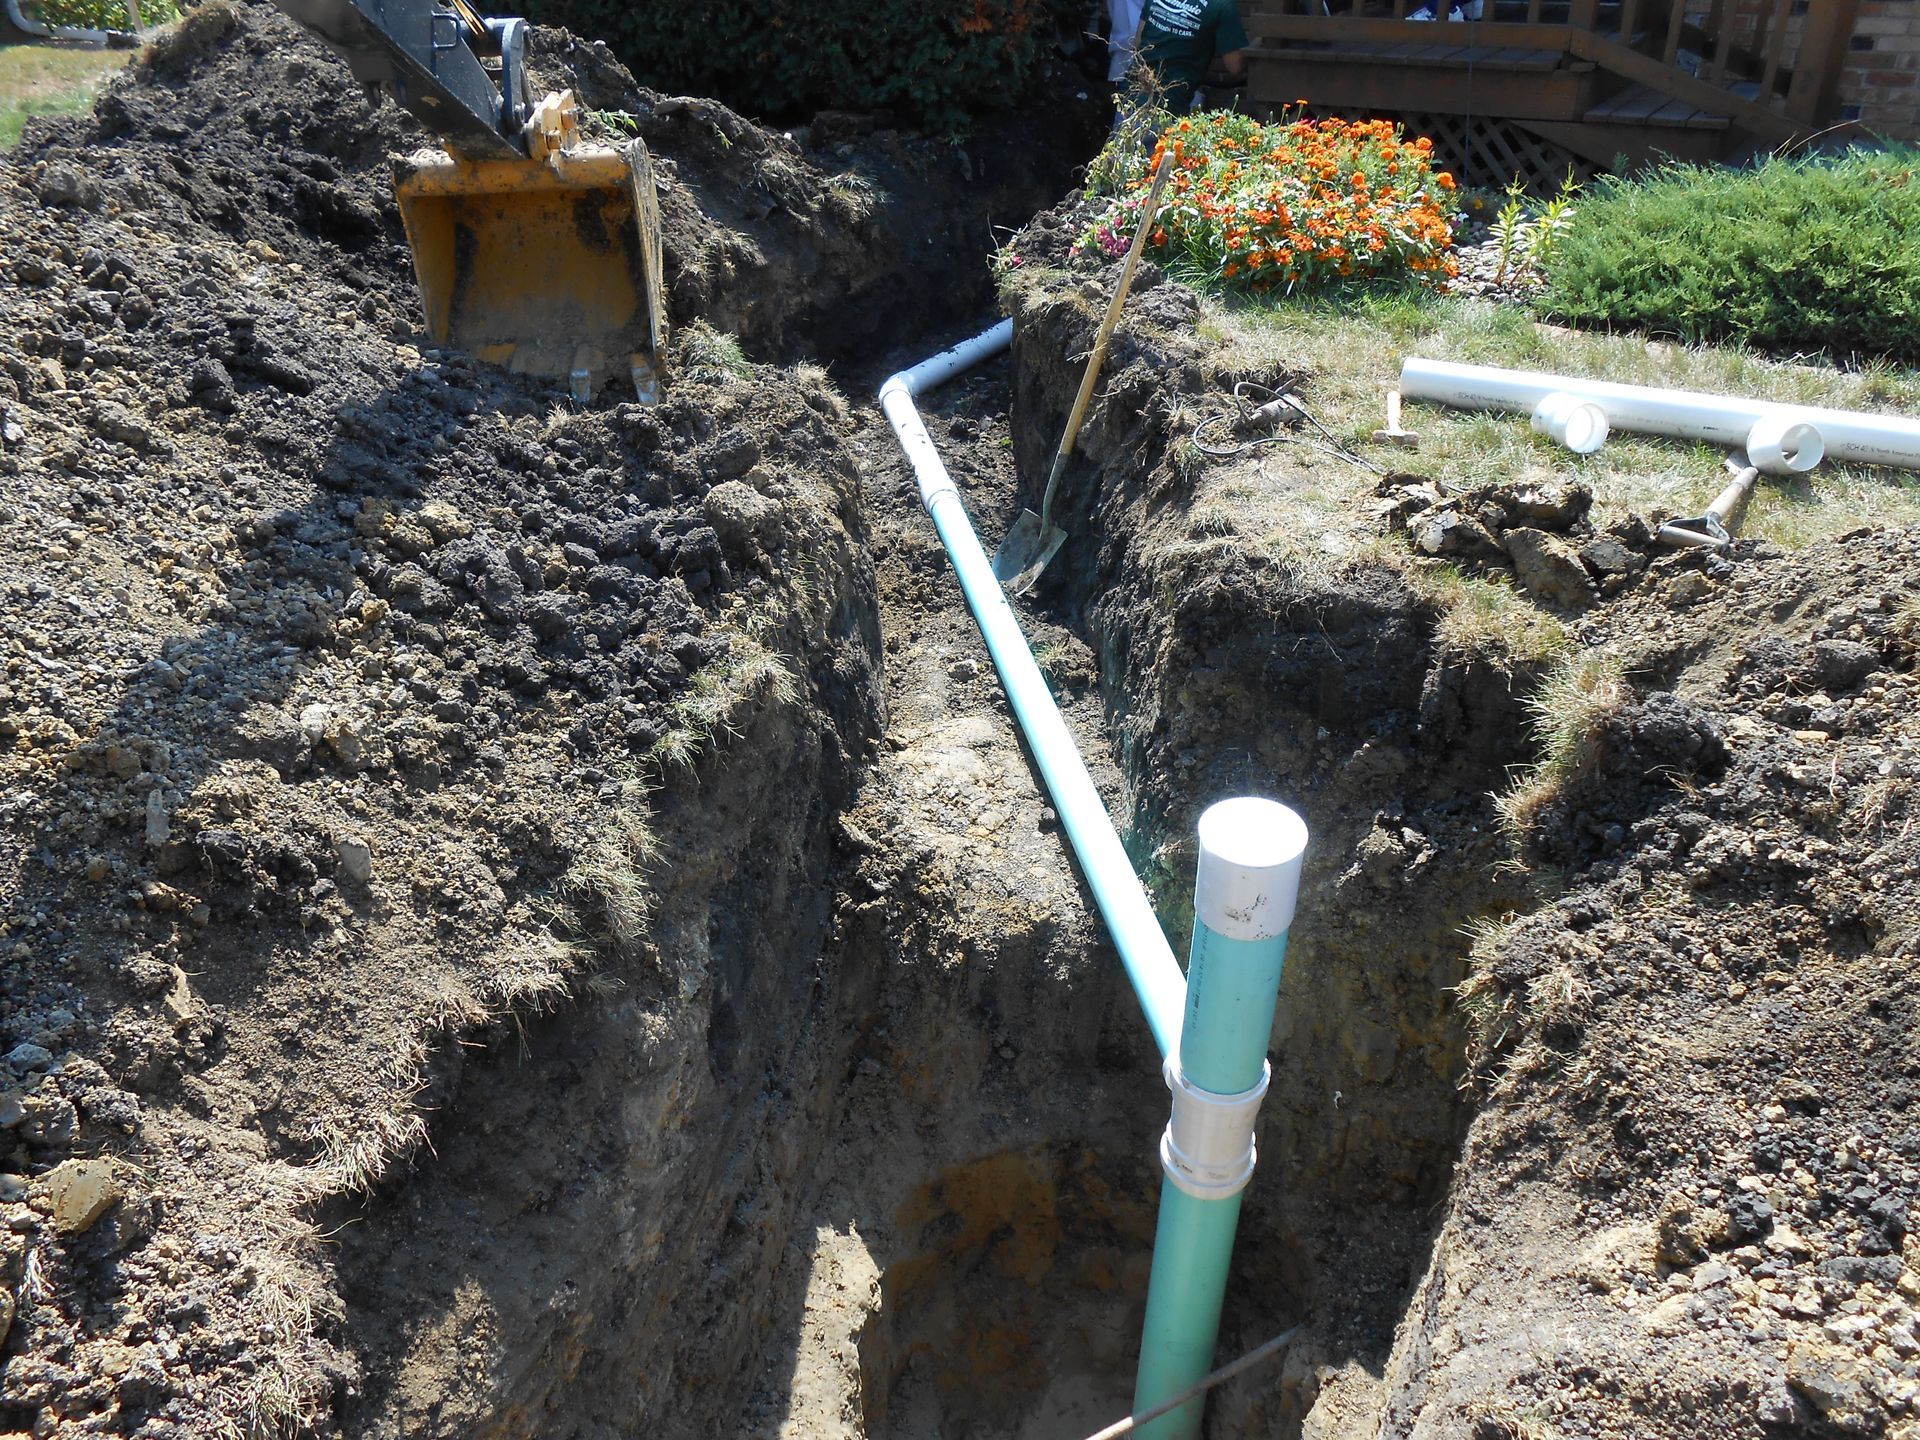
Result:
[[1137, 935], [1679, 414], [73, 33]]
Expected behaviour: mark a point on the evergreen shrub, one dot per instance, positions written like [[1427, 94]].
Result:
[[1789, 255], [935, 62]]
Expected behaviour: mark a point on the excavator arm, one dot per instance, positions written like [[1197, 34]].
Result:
[[427, 59]]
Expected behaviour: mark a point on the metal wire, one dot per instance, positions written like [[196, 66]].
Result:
[[1220, 1376], [1297, 412]]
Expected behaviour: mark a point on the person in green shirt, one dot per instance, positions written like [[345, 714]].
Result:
[[1180, 38]]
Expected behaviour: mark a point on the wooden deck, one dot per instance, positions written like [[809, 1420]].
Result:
[[1552, 84]]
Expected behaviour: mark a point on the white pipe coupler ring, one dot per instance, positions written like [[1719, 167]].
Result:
[[1782, 444], [1207, 1149], [1575, 421]]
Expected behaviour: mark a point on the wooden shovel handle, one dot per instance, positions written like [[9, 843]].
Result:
[[1107, 326]]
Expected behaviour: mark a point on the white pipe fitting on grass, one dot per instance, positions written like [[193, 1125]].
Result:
[[1208, 1149], [1578, 424], [1781, 443], [1679, 414]]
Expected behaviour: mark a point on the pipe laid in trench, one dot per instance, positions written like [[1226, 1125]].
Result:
[[1251, 852], [1136, 932], [1213, 1026], [73, 34], [1679, 414]]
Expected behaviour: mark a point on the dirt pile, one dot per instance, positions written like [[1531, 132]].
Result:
[[1699, 1154], [834, 240], [351, 692]]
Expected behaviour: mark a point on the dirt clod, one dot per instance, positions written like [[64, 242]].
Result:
[[76, 1193]]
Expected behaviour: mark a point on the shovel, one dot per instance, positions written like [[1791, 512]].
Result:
[[1714, 530], [1035, 539]]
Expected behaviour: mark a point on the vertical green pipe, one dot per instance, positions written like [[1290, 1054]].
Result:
[[1192, 1249], [1250, 856]]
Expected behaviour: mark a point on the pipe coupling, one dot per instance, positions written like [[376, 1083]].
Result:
[[1208, 1148], [1576, 422], [1783, 444]]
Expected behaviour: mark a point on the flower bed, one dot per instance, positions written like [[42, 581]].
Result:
[[1290, 205]]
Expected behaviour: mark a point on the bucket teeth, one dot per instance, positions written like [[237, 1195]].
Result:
[[646, 380]]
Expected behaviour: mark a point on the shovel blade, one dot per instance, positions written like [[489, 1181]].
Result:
[[1029, 545]]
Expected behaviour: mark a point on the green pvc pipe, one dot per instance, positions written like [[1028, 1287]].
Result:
[[1212, 1025], [1250, 855], [1192, 1250]]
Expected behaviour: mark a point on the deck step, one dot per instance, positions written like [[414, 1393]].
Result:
[[1644, 105], [1507, 59]]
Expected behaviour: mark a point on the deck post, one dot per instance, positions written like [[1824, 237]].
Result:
[[1815, 87]]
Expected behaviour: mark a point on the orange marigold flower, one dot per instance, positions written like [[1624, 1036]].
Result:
[[1444, 180]]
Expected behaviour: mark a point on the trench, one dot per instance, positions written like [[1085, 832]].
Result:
[[915, 1178], [993, 1284], [889, 1168], [858, 1139]]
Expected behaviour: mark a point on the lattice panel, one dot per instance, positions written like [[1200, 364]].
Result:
[[1485, 151]]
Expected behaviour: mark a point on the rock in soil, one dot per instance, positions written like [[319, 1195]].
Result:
[[78, 1192]]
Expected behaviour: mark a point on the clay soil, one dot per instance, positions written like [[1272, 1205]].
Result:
[[525, 919]]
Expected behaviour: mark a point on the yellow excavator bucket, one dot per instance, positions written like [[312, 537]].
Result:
[[549, 266]]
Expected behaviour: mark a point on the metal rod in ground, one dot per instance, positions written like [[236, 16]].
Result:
[[1219, 1377]]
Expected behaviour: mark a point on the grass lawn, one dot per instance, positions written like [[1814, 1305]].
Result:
[[1350, 352], [50, 80]]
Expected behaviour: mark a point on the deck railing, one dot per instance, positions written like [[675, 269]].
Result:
[[1755, 61]]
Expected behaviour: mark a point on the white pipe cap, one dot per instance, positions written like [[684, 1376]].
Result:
[[1249, 873], [1576, 422], [1781, 444]]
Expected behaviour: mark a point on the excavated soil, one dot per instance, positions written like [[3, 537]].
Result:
[[368, 1075], [524, 919]]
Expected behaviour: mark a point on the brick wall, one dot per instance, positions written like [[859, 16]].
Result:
[[1880, 86]]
